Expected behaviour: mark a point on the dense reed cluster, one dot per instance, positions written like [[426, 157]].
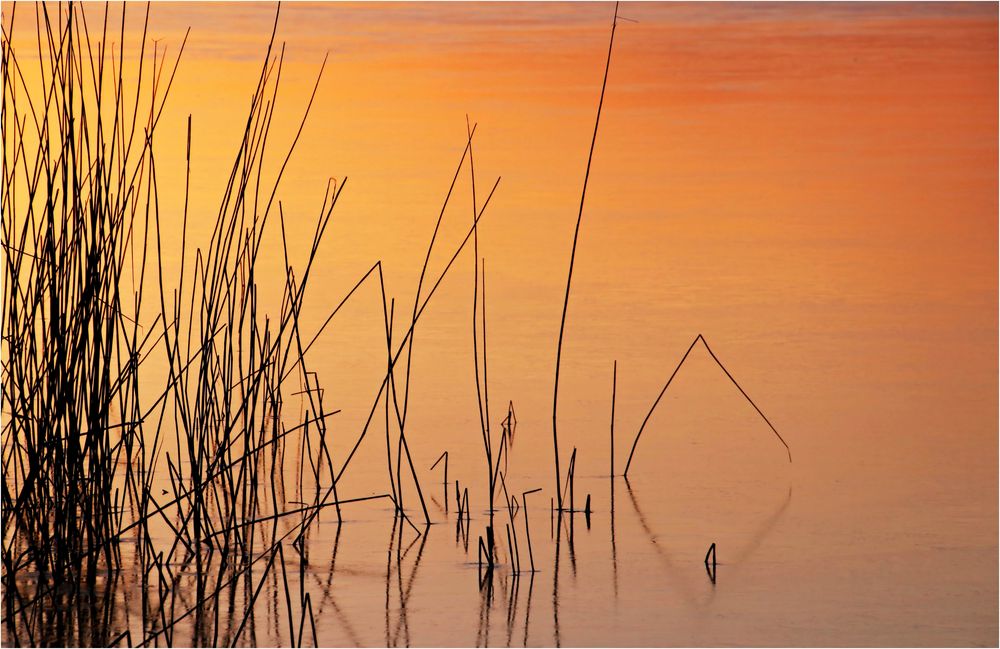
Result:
[[86, 430]]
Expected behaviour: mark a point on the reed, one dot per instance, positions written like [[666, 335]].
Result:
[[510, 421], [444, 456], [572, 258], [701, 339], [512, 508], [527, 530], [73, 223], [614, 392], [710, 563], [710, 555]]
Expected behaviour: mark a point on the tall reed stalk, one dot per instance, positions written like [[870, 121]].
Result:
[[572, 259]]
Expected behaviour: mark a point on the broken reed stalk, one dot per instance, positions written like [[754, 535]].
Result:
[[701, 339], [570, 474], [465, 506], [572, 258], [527, 530], [511, 514], [710, 568], [484, 550], [444, 456], [515, 559], [517, 550]]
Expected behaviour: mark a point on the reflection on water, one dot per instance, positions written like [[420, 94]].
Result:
[[813, 188]]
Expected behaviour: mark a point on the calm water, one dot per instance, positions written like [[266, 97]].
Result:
[[812, 188]]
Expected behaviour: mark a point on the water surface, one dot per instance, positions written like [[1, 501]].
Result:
[[811, 187]]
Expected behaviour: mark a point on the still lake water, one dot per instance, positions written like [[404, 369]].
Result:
[[811, 187]]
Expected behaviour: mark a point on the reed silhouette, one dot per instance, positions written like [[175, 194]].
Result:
[[701, 339], [218, 477]]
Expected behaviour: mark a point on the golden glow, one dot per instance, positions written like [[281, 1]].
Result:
[[812, 186]]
